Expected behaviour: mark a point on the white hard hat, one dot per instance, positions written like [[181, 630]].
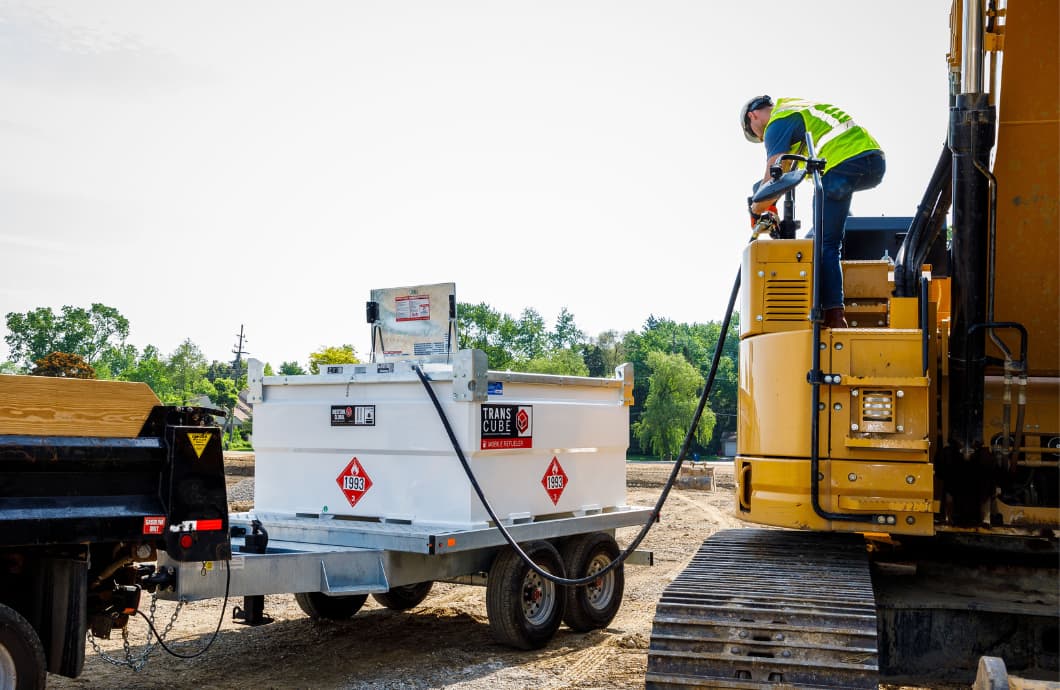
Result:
[[745, 123]]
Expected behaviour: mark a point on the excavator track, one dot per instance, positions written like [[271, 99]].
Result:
[[760, 608]]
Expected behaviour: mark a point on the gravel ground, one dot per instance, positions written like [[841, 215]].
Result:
[[444, 642]]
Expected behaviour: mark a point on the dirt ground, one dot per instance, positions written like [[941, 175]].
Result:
[[444, 642]]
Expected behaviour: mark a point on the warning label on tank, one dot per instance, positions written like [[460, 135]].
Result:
[[353, 415], [507, 426], [412, 308], [354, 482], [555, 480]]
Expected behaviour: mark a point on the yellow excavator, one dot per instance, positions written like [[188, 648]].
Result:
[[911, 458]]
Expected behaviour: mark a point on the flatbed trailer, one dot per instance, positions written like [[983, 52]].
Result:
[[333, 565]]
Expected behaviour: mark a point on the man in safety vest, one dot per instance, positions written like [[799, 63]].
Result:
[[854, 162]]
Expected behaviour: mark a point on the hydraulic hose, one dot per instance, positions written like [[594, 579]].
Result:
[[925, 227], [652, 519], [816, 377]]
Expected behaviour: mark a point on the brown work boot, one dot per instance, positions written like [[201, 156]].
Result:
[[835, 318]]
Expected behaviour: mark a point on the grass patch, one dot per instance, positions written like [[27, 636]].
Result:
[[654, 458]]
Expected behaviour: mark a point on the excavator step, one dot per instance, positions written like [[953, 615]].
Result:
[[760, 608]]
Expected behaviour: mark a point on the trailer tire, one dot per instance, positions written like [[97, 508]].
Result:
[[525, 609], [317, 605], [405, 597], [21, 653], [595, 605]]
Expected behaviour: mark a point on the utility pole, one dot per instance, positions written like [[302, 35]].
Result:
[[237, 366]]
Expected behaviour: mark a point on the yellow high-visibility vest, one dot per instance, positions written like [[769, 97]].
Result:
[[836, 137]]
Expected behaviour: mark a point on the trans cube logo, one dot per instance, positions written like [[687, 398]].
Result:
[[506, 426]]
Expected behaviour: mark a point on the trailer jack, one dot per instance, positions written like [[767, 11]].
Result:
[[253, 610]]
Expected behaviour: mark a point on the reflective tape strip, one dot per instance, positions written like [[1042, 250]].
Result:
[[826, 117], [833, 133], [196, 526]]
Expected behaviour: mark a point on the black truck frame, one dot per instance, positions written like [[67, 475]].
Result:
[[81, 522]]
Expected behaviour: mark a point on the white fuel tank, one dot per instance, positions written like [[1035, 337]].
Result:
[[365, 442]]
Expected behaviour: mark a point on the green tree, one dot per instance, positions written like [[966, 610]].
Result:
[[9, 367], [481, 327], [223, 394], [64, 365], [343, 354], [246, 429], [511, 343], [85, 332], [187, 367], [152, 369], [531, 337], [32, 335], [220, 370], [670, 405], [566, 334], [695, 342], [612, 351], [593, 357], [268, 370], [566, 362], [227, 370], [116, 361], [291, 369]]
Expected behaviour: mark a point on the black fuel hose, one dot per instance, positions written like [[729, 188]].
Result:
[[653, 518]]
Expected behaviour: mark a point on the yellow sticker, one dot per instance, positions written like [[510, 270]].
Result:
[[198, 442]]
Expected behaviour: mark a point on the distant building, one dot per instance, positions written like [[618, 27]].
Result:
[[728, 445], [240, 415]]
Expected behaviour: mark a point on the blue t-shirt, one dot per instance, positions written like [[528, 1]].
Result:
[[784, 133]]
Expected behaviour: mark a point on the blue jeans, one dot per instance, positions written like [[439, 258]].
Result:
[[840, 183]]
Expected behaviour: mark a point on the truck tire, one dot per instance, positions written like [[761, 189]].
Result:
[[320, 606], [405, 597], [22, 664], [592, 606], [525, 609]]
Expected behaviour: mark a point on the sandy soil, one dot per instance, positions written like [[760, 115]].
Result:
[[444, 642]]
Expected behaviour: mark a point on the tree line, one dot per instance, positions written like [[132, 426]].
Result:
[[670, 363]]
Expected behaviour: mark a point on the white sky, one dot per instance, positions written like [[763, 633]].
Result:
[[201, 165]]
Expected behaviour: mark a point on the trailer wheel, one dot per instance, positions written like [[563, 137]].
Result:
[[317, 605], [524, 608], [405, 597], [22, 665], [594, 605]]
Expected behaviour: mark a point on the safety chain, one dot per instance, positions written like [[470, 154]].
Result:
[[137, 663]]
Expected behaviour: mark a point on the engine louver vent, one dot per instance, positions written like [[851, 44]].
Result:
[[787, 300]]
